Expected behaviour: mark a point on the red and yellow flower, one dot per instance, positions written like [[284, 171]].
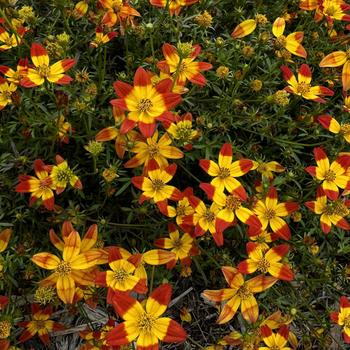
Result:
[[291, 43], [274, 341], [333, 176], [248, 26], [174, 6], [62, 175], [101, 38], [270, 213], [152, 148], [231, 207], [15, 76], [342, 318], [40, 324], [226, 171], [337, 59], [8, 41], [80, 9], [302, 86], [73, 268], [332, 213], [144, 323], [155, 187], [183, 68], [266, 262], [182, 247], [267, 169], [331, 124], [240, 294], [44, 71], [144, 102], [5, 236], [41, 186]]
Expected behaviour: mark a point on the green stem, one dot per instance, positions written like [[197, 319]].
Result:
[[189, 173], [195, 342], [152, 279]]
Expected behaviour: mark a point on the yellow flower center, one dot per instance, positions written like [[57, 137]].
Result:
[[244, 292], [63, 269], [275, 347], [43, 70], [345, 129], [177, 243], [153, 150], [144, 105], [224, 173], [337, 207], [120, 275], [5, 329], [261, 19], [45, 183], [269, 214], [262, 168], [7, 95], [9, 41], [184, 133], [64, 175], [280, 42], [263, 265], [146, 322], [330, 10], [182, 67], [209, 216], [180, 210], [330, 175], [40, 324], [157, 184], [117, 5], [303, 88], [347, 322], [233, 202]]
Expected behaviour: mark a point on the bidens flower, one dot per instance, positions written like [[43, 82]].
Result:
[[43, 71], [342, 318]]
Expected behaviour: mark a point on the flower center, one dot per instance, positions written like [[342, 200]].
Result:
[[5, 329], [330, 175], [263, 265], [117, 5], [177, 243], [233, 202], [280, 42], [45, 183], [347, 322], [40, 324], [269, 214], [43, 70], [262, 168], [7, 95], [224, 173], [182, 67], [184, 133], [244, 292], [153, 150], [209, 216], [64, 175], [330, 10], [144, 105], [303, 88], [339, 208], [63, 268], [180, 210], [120, 275], [345, 129], [146, 322], [157, 184]]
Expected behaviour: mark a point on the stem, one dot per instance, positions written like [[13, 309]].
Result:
[[199, 268], [152, 279], [189, 173], [195, 342], [176, 75]]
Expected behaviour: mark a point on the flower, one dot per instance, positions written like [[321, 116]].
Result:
[[5, 236], [80, 9], [64, 128], [62, 175], [144, 102], [248, 26], [332, 213], [43, 71], [152, 148], [40, 324], [291, 43], [73, 267], [241, 293], [266, 169], [6, 92], [182, 247], [145, 324], [155, 187], [274, 341], [231, 207], [182, 66], [302, 87], [41, 186], [101, 38], [331, 124], [270, 212], [174, 6], [8, 41], [331, 175], [337, 59], [264, 262], [118, 11], [226, 171], [342, 318], [16, 76]]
